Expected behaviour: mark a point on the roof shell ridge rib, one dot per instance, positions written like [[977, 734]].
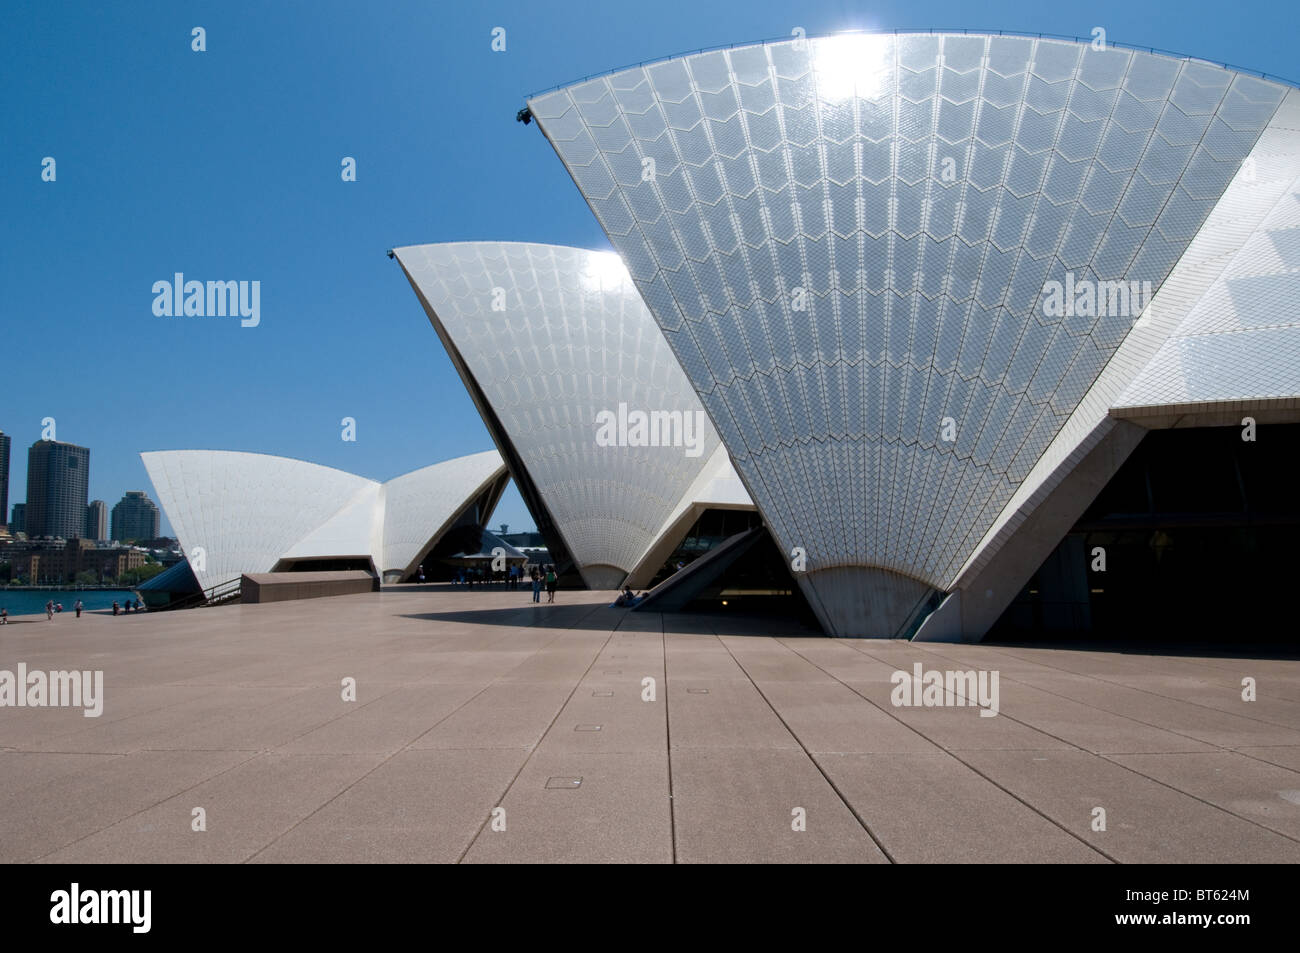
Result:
[[1127, 153], [902, 32]]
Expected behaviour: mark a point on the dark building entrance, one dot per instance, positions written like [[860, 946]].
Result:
[[1199, 535], [755, 578]]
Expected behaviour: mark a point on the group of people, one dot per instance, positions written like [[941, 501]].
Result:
[[540, 576], [471, 575], [51, 607], [544, 576]]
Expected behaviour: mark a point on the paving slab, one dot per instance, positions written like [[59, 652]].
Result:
[[1146, 822], [387, 724], [1266, 794], [500, 716], [619, 813], [106, 790], [1284, 756], [902, 798], [243, 809], [736, 806], [716, 713], [421, 806]]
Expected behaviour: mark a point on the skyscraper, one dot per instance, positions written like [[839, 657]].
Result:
[[97, 520], [135, 517], [58, 475], [4, 475], [18, 522]]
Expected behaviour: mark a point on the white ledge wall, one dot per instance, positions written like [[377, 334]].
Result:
[[573, 339], [818, 167]]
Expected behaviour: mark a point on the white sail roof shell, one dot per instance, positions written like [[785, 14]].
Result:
[[244, 512], [847, 240], [553, 337]]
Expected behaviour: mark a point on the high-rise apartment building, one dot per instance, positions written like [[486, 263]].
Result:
[[4, 475], [58, 476], [97, 520], [135, 517]]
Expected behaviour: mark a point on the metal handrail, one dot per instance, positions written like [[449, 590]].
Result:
[[213, 595], [223, 591]]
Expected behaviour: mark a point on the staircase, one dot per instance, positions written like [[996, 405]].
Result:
[[220, 594]]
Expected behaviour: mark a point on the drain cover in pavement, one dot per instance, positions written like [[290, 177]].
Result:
[[563, 782], [586, 727], [697, 691], [602, 694]]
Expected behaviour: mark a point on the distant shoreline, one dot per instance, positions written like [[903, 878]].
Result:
[[69, 588]]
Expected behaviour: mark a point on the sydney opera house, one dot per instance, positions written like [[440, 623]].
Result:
[[972, 333]]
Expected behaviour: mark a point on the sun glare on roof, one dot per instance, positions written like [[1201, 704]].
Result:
[[603, 270], [851, 64]]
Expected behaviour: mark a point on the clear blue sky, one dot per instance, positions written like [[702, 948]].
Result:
[[225, 164]]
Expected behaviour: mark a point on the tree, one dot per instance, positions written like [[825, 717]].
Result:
[[133, 577], [87, 577]]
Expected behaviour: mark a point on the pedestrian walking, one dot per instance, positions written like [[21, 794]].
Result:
[[551, 582], [49, 610], [537, 584], [116, 607], [4, 616], [78, 608]]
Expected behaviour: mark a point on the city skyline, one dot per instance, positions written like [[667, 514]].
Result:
[[164, 529], [65, 523]]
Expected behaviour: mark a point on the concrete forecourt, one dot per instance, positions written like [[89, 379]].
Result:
[[486, 728]]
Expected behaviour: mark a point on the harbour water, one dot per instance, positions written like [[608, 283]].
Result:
[[32, 601]]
